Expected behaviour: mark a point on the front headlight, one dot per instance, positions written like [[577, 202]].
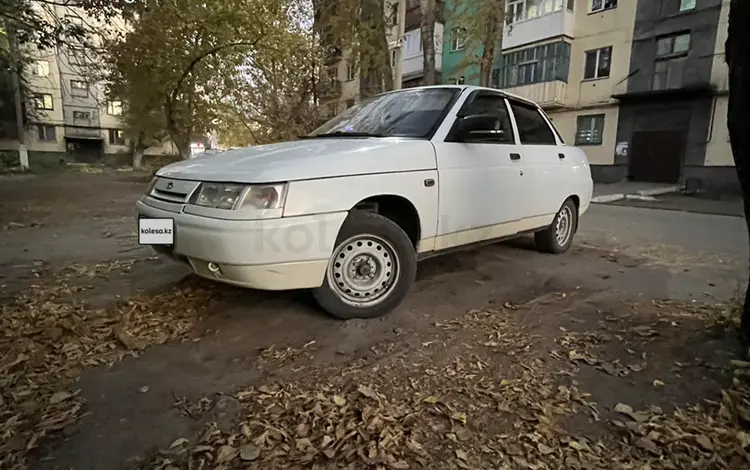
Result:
[[239, 196], [269, 196]]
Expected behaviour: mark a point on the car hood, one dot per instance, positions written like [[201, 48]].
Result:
[[307, 159]]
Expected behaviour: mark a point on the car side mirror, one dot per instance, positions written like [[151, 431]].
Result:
[[480, 127]]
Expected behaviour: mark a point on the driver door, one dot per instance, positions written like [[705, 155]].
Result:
[[481, 178]]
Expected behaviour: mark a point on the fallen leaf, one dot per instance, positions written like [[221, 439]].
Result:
[[59, 397], [226, 453], [249, 452], [339, 400], [461, 454]]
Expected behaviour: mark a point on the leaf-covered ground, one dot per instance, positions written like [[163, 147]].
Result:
[[496, 389], [495, 360], [48, 337]]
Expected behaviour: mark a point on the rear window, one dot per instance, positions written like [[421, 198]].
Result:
[[532, 127]]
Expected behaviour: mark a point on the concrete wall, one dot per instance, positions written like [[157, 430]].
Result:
[[650, 23], [593, 31], [566, 123]]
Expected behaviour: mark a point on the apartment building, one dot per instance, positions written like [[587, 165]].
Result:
[[411, 52], [70, 120], [641, 85]]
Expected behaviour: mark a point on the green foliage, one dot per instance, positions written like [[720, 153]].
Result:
[[178, 61]]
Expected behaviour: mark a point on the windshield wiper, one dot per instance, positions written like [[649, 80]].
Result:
[[341, 134]]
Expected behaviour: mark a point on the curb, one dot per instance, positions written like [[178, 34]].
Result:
[[639, 197], [658, 191], [607, 198]]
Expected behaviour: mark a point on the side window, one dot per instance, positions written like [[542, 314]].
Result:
[[532, 128], [493, 106]]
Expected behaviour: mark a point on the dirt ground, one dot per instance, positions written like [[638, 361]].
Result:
[[112, 358]]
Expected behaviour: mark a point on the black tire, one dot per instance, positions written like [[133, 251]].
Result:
[[547, 240], [362, 223]]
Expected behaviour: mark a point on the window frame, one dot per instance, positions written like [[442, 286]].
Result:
[[44, 107], [598, 53], [682, 9], [114, 141], [603, 6], [593, 118], [672, 38], [86, 114], [553, 132], [463, 111], [351, 74], [37, 67], [43, 135], [111, 107], [458, 39]]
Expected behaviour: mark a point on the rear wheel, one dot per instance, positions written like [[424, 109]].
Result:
[[372, 268], [558, 237]]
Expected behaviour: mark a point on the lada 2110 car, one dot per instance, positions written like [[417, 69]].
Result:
[[348, 210]]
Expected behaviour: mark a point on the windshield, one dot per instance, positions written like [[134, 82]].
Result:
[[407, 113]]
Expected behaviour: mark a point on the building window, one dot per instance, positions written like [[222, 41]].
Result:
[[519, 10], [677, 44], [601, 5], [47, 133], [686, 5], [537, 64], [668, 73], [590, 129], [81, 116], [114, 108], [333, 74], [116, 137], [458, 39], [79, 88], [349, 103], [332, 110], [41, 68], [43, 101], [598, 63], [394, 56], [350, 71]]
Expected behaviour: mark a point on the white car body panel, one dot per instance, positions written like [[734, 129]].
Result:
[[462, 193], [307, 159], [320, 196]]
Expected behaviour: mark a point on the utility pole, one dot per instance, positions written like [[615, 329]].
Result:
[[399, 69], [23, 155]]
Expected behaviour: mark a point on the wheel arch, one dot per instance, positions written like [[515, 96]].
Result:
[[396, 208]]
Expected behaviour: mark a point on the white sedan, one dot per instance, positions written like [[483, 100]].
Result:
[[350, 209]]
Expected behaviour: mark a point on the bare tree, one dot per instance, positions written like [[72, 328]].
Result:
[[737, 50], [427, 30]]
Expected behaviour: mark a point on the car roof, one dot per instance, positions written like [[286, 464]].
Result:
[[472, 88]]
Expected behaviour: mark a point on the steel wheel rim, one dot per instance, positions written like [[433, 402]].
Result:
[[363, 270], [564, 226]]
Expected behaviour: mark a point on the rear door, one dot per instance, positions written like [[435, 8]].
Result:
[[546, 164], [481, 182]]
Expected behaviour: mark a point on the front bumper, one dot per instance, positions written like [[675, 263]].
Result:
[[268, 254]]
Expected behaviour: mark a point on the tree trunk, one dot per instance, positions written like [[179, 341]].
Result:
[[427, 30], [737, 50], [138, 148], [492, 40]]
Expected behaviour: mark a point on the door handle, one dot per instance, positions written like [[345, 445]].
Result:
[[561, 155], [515, 156]]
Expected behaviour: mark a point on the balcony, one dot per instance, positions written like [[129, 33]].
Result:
[[548, 95], [83, 132], [414, 56], [542, 27]]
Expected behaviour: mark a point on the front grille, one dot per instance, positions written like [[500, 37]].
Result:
[[174, 191]]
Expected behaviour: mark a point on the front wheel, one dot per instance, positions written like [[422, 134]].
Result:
[[558, 237], [371, 270]]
